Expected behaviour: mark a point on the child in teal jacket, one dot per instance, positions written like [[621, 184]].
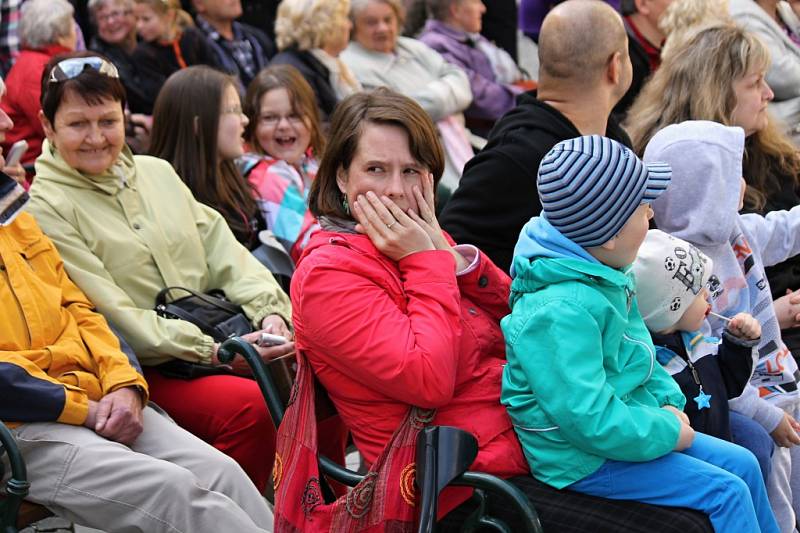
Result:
[[592, 408]]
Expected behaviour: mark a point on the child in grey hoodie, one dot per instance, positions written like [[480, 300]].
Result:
[[702, 207]]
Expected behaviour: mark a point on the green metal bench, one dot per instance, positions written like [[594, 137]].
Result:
[[443, 456]]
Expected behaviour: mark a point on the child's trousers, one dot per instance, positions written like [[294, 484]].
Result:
[[714, 476]]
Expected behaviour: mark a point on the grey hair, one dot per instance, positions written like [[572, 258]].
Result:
[[356, 6], [95, 5], [44, 22], [440, 9]]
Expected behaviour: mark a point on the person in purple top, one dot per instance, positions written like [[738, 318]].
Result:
[[494, 77]]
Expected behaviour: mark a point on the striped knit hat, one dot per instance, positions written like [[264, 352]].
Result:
[[590, 186]]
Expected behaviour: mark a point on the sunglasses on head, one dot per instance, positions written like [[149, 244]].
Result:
[[73, 67]]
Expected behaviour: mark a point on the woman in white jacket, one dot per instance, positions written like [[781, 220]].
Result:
[[379, 56]]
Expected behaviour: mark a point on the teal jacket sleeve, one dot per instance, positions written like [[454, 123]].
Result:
[[665, 389], [560, 350]]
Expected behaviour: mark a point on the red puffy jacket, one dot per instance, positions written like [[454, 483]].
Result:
[[383, 335]]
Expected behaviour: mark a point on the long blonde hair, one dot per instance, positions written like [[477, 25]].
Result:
[[695, 82]]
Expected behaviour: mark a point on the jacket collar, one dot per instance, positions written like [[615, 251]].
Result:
[[436, 26], [51, 166]]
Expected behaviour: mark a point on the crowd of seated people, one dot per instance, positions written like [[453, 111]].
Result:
[[434, 279]]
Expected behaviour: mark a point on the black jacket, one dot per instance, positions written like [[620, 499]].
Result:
[[723, 376], [138, 101], [155, 62], [641, 72], [497, 194], [315, 73]]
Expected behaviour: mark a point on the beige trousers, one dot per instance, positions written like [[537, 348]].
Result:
[[168, 480]]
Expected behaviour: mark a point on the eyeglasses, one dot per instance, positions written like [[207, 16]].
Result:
[[233, 110], [116, 14], [73, 67], [273, 120]]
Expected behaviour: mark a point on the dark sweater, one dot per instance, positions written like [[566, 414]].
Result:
[[315, 73], [156, 61], [497, 194], [723, 376]]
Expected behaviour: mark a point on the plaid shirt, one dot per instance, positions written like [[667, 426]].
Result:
[[243, 56], [9, 35]]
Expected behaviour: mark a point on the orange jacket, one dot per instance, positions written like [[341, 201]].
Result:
[[56, 352]]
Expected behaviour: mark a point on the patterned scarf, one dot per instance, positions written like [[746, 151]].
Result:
[[383, 501]]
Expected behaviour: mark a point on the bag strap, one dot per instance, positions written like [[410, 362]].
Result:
[[161, 299], [205, 327]]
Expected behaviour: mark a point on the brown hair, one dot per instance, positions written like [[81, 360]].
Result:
[[301, 95], [90, 85], [381, 106], [185, 128], [695, 82]]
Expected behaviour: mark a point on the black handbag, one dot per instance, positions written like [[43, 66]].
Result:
[[214, 314]]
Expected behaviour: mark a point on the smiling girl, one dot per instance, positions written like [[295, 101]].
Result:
[[169, 42], [285, 141]]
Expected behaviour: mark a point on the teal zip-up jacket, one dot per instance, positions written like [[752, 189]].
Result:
[[582, 384]]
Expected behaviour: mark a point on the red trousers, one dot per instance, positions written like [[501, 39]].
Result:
[[229, 413]]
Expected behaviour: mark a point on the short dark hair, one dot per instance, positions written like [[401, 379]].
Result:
[[381, 106], [90, 85]]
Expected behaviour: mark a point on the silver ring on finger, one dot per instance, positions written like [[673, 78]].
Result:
[[389, 226]]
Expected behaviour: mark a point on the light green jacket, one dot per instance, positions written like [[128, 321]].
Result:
[[128, 233]]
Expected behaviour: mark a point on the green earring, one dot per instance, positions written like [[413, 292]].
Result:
[[345, 205]]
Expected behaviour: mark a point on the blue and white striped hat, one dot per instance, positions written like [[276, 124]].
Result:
[[590, 186]]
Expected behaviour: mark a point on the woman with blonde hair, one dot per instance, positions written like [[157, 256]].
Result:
[[169, 42], [718, 74], [310, 35]]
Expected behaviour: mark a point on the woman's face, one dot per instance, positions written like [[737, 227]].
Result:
[[467, 15], [752, 96], [376, 27], [115, 22], [384, 165], [281, 132], [151, 26], [339, 39], [231, 125], [88, 137]]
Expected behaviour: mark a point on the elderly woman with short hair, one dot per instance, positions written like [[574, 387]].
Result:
[[494, 77], [310, 36], [46, 29], [379, 56], [116, 40]]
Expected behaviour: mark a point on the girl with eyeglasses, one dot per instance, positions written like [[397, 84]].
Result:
[[169, 42], [285, 141]]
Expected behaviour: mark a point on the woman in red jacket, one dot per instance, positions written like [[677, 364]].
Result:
[[391, 315]]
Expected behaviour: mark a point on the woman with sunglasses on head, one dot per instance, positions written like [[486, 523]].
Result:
[[285, 141], [127, 227]]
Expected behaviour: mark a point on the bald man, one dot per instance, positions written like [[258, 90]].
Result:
[[584, 71]]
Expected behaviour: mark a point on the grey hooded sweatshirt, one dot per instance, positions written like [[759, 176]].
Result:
[[701, 206]]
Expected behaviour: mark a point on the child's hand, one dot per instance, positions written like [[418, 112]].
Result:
[[682, 418], [787, 309], [744, 326], [685, 438], [785, 434]]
